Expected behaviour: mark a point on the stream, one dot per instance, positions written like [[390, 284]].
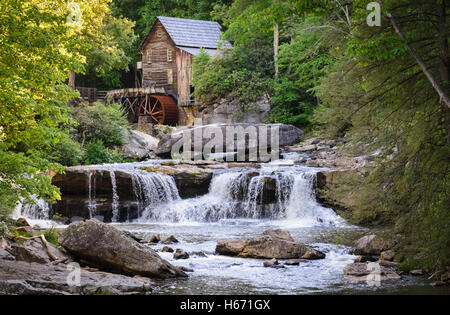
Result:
[[233, 208]]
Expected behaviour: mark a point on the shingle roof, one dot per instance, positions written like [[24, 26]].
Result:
[[193, 33], [195, 51]]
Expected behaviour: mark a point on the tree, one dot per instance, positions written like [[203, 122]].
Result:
[[108, 41], [37, 50], [383, 95], [303, 61], [257, 16], [144, 13]]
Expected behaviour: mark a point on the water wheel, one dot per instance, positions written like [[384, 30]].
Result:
[[161, 110]]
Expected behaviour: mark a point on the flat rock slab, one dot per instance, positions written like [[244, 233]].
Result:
[[369, 271], [34, 251], [18, 278], [105, 246], [271, 244]]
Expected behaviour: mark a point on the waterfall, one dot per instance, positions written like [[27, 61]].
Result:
[[38, 210], [92, 203], [148, 188], [115, 203], [269, 193], [153, 189], [273, 192]]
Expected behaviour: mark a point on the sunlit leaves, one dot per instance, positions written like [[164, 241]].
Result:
[[37, 50]]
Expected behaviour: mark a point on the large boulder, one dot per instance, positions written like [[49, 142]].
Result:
[[271, 244], [372, 245], [288, 135], [139, 145], [23, 278], [105, 246], [228, 110], [5, 250]]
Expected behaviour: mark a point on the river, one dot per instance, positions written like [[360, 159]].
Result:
[[230, 211]]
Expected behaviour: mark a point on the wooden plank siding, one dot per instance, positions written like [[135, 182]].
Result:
[[155, 63], [184, 76]]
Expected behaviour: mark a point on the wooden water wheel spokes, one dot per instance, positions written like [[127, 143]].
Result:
[[162, 109], [152, 107]]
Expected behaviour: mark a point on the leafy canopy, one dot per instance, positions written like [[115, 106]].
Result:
[[37, 50]]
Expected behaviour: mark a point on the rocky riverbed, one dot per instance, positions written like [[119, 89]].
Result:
[[33, 266], [230, 228]]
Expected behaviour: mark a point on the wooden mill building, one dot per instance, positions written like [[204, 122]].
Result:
[[168, 50]]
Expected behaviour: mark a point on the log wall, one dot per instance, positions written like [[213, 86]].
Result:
[[156, 63]]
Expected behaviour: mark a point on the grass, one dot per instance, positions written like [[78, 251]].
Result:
[[51, 235]]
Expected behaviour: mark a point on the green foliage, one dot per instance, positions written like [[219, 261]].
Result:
[[303, 62], [66, 151], [107, 123], [51, 235], [97, 153], [107, 41], [110, 52], [248, 20], [305, 55], [145, 12], [18, 234], [37, 50], [378, 97], [242, 74]]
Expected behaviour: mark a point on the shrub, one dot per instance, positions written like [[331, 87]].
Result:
[[97, 153], [101, 122], [66, 152], [243, 74]]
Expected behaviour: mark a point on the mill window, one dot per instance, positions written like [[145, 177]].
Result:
[[149, 56], [169, 77]]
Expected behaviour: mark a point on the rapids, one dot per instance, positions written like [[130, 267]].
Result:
[[239, 205]]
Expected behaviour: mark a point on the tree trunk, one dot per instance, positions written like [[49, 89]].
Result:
[[71, 83], [443, 96], [276, 39]]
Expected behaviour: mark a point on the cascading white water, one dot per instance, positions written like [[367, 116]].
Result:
[[154, 189], [274, 192], [149, 188], [92, 203], [244, 194], [39, 210], [115, 203]]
